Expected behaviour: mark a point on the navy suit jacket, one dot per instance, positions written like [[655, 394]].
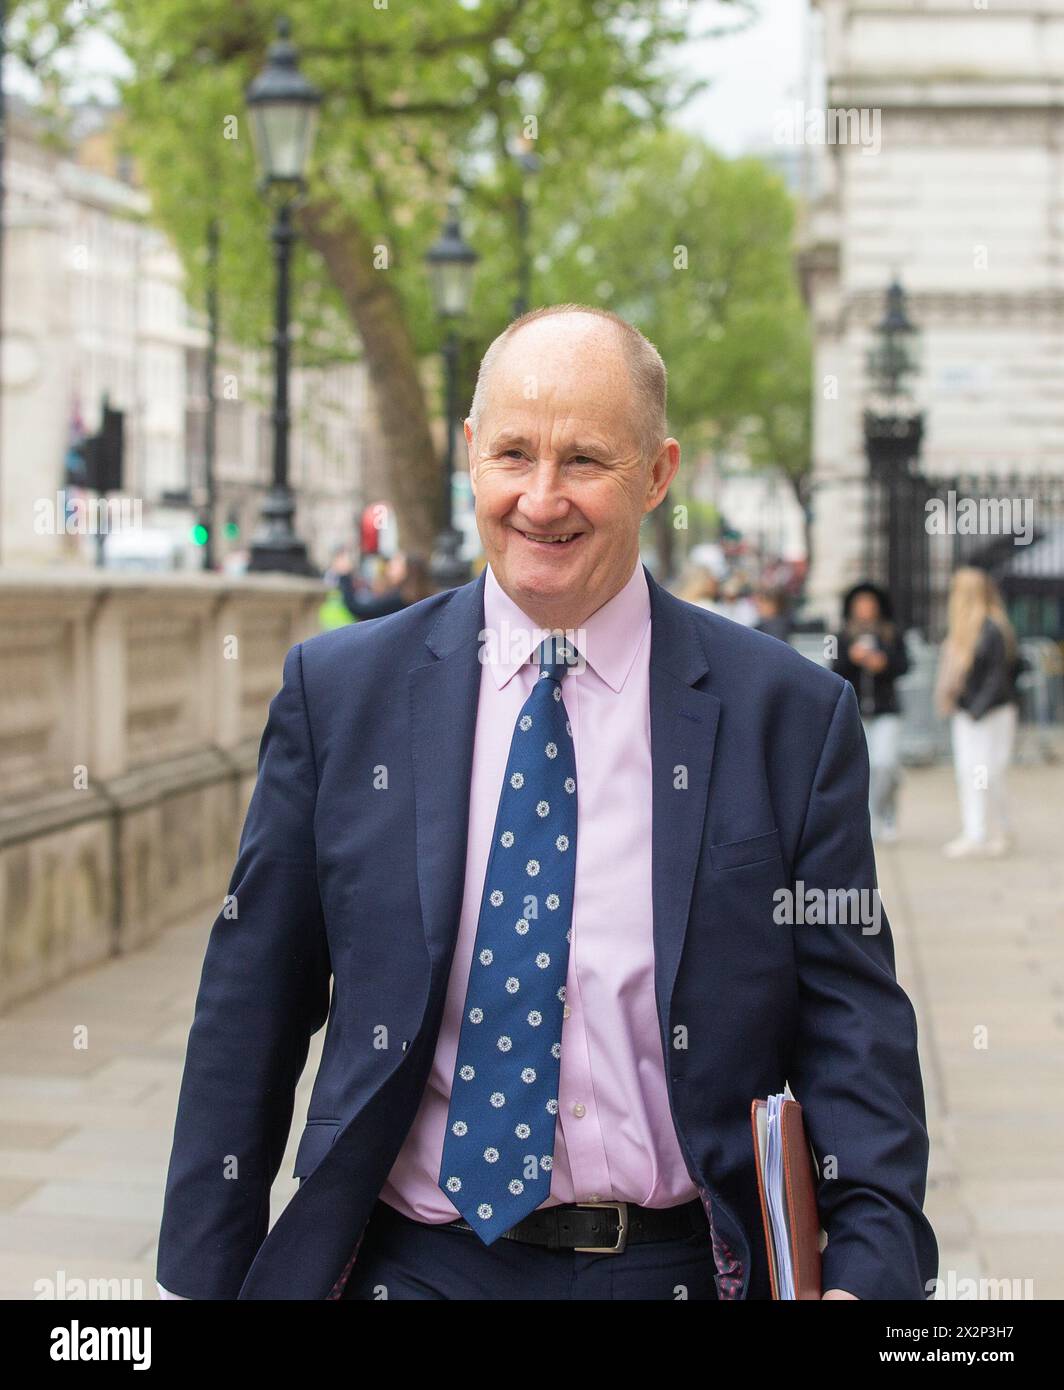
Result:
[[351, 868]]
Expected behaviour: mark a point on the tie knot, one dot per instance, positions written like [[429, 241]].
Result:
[[556, 655]]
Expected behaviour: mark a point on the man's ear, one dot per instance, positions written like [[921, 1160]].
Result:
[[662, 471], [467, 430]]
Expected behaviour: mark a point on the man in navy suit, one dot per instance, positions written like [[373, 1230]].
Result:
[[562, 894]]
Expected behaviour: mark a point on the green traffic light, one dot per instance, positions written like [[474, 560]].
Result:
[[232, 529], [199, 534]]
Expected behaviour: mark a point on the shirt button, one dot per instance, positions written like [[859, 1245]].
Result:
[[566, 1011], [579, 1110]]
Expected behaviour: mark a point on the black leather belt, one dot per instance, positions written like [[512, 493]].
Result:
[[602, 1228]]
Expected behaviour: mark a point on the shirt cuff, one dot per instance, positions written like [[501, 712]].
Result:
[[165, 1294]]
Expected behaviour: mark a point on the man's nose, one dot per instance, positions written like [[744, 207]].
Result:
[[543, 496]]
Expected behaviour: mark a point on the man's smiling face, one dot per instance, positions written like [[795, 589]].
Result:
[[559, 480]]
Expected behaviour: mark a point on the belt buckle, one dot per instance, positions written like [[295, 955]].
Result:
[[621, 1208]]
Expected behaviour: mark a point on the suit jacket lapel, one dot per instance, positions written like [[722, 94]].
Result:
[[444, 693], [683, 731]]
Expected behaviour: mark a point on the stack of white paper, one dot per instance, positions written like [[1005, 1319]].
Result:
[[776, 1196], [770, 1146]]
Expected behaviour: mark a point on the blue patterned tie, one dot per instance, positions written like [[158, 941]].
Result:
[[499, 1147]]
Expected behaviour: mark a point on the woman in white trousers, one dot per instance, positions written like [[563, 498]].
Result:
[[977, 690], [982, 750]]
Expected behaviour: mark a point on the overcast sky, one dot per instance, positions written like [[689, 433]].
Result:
[[753, 74]]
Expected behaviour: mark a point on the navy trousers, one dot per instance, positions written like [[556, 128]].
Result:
[[404, 1259]]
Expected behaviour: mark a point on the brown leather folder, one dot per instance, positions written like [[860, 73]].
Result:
[[803, 1219]]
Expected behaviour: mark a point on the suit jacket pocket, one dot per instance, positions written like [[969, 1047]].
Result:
[[315, 1143], [738, 853]]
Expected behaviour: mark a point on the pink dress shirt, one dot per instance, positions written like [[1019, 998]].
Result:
[[615, 1139]]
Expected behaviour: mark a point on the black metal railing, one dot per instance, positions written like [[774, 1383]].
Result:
[[919, 529]]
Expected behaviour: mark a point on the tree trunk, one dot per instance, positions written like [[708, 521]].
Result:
[[412, 470], [802, 487]]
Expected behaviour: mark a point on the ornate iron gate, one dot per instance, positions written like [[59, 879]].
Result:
[[920, 529]]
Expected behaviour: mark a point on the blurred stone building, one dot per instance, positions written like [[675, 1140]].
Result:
[[94, 303], [960, 193]]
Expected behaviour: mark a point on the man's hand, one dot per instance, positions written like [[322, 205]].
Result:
[[835, 1294]]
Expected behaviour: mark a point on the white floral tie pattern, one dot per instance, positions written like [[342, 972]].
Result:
[[498, 1150]]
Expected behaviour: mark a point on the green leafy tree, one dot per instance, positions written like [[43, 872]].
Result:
[[692, 247]]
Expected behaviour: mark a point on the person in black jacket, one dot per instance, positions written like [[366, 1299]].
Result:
[[772, 615], [407, 581], [871, 655], [976, 689]]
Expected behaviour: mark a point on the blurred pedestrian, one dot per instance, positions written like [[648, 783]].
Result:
[[700, 586], [976, 690], [709, 556], [772, 613], [333, 611], [339, 559], [871, 656], [405, 580], [736, 602], [416, 582]]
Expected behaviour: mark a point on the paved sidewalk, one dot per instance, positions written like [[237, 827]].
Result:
[[980, 948], [86, 1131], [85, 1135]]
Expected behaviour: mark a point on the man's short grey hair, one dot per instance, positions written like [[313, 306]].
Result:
[[645, 367]]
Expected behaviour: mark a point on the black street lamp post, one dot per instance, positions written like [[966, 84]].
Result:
[[210, 367], [528, 162], [284, 108], [895, 356], [893, 430], [450, 261], [893, 433]]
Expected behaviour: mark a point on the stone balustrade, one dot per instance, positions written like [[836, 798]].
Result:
[[131, 708]]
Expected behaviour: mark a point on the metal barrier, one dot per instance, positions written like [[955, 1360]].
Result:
[[924, 733], [1041, 689]]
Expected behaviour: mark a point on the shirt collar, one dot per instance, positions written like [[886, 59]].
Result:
[[608, 639]]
